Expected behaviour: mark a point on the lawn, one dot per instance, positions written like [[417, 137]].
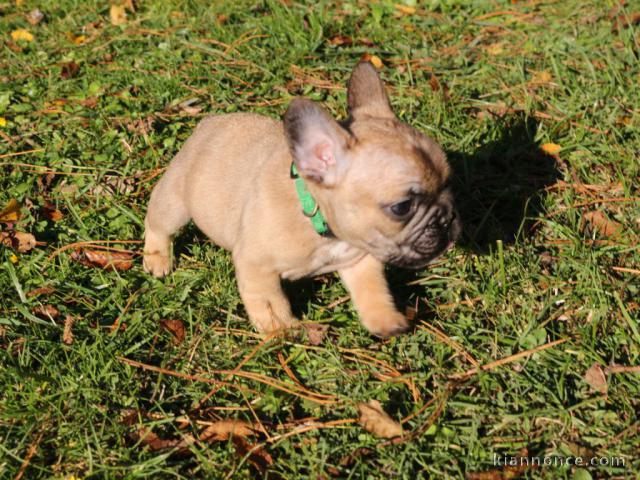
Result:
[[525, 337]]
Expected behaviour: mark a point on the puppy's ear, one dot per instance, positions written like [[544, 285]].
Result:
[[317, 142], [366, 94]]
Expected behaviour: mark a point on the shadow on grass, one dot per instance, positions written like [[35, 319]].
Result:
[[498, 190]]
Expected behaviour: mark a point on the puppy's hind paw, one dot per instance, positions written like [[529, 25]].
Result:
[[157, 264]]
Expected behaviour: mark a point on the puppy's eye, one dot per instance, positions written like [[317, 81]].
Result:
[[402, 209]]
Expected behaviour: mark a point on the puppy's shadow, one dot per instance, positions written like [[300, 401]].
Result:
[[498, 190], [499, 187]]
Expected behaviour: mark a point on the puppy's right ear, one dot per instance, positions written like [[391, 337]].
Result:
[[318, 143]]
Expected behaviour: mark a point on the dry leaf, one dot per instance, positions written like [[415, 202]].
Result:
[[11, 211], [40, 291], [223, 429], [35, 16], [259, 458], [550, 148], [375, 420], [542, 77], [104, 259], [51, 213], [22, 34], [117, 14], [405, 9], [67, 334], [175, 328], [20, 241], [603, 226], [596, 378], [340, 40], [373, 59], [70, 70], [46, 311], [315, 332], [495, 49]]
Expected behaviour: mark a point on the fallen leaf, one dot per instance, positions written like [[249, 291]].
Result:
[[67, 333], [46, 311], [70, 70], [598, 222], [373, 59], [596, 378], [340, 40], [375, 420], [13, 258], [175, 328], [3, 122], [22, 34], [315, 332], [40, 291], [20, 241], [117, 14], [541, 77], [405, 9], [223, 429], [103, 259], [51, 213], [259, 458], [35, 16], [11, 211], [495, 49], [550, 148]]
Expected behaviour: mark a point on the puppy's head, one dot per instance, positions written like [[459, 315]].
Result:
[[381, 185]]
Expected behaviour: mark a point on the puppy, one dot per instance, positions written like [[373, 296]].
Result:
[[309, 196]]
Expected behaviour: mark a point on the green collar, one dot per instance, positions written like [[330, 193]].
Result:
[[310, 208]]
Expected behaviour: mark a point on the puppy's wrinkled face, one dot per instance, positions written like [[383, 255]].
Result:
[[381, 184]]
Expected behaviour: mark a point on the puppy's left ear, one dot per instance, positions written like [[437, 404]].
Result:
[[318, 143], [366, 94]]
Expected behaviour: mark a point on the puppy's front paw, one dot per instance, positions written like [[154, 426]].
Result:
[[157, 264], [385, 323]]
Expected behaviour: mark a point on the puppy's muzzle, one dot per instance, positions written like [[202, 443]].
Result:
[[430, 236]]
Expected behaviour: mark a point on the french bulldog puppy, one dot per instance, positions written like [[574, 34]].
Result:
[[380, 185]]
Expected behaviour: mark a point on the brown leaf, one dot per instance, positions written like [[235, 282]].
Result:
[[175, 328], [70, 70], [89, 102], [20, 241], [315, 332], [373, 59], [46, 312], [223, 429], [259, 458], [10, 212], [596, 378], [40, 291], [35, 16], [550, 148], [375, 420], [104, 259], [405, 9], [598, 222], [51, 213], [340, 40], [117, 14], [67, 333], [625, 21]]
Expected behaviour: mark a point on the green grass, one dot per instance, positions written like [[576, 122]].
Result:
[[527, 272]]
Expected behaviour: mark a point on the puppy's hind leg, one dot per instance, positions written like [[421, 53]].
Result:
[[165, 215]]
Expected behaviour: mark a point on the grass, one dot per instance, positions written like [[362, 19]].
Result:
[[94, 111]]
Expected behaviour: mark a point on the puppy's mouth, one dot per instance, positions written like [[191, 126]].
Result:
[[423, 245]]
